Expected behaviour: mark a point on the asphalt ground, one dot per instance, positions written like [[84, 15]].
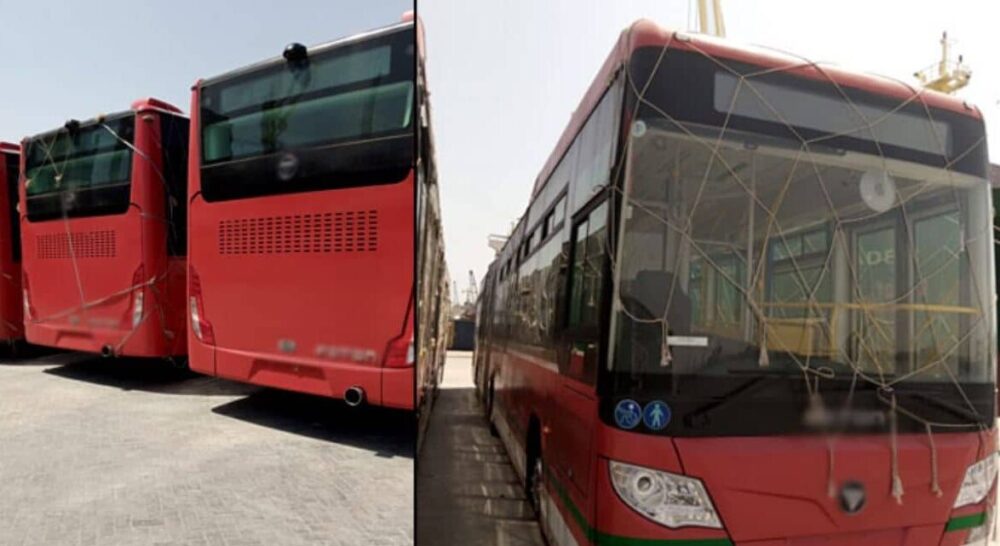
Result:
[[467, 490]]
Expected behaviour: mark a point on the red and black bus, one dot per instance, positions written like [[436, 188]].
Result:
[[103, 233], [751, 302], [11, 322], [302, 220], [433, 302]]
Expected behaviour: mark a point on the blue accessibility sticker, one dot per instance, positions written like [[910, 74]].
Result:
[[628, 414], [656, 415]]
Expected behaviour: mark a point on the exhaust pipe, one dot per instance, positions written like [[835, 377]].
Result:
[[107, 351], [354, 396]]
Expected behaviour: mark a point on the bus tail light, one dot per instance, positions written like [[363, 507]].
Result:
[[138, 296], [201, 327], [401, 353], [29, 310], [668, 499]]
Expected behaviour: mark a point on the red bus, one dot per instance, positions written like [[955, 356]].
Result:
[[302, 220], [433, 302], [751, 302], [11, 322], [103, 232]]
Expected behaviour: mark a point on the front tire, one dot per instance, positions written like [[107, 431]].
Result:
[[534, 475], [490, 397]]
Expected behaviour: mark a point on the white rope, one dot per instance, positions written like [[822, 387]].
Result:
[[935, 487]]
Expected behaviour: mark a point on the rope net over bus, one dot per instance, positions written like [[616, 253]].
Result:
[[763, 244], [81, 158]]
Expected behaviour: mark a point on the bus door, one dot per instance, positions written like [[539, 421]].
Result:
[[910, 271], [579, 346]]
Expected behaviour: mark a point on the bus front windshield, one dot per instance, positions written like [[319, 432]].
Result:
[[80, 171], [745, 256]]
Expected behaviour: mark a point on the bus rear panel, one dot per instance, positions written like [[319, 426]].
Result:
[[302, 221]]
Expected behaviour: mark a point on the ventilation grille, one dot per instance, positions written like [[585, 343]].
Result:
[[348, 231], [85, 244]]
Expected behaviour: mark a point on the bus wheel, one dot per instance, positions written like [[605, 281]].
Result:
[[489, 410], [535, 475], [180, 363]]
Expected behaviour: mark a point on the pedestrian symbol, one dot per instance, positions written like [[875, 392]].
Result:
[[628, 414], [656, 415]]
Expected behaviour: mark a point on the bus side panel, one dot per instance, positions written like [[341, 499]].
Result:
[[175, 308], [11, 308], [201, 355]]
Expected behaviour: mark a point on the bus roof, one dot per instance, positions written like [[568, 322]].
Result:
[[138, 105], [150, 103], [644, 33], [318, 47], [9, 148]]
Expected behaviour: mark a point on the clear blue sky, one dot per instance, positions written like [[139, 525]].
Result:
[[505, 76], [64, 59]]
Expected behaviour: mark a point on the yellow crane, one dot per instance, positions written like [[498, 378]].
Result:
[[946, 75], [710, 20]]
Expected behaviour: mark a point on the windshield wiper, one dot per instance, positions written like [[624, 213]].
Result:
[[970, 414], [699, 417]]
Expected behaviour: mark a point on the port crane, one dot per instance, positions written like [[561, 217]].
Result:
[[947, 75]]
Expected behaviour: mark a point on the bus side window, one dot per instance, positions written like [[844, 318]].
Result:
[[13, 167], [586, 283], [174, 145]]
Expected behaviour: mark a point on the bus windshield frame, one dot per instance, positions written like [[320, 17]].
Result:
[[343, 117], [749, 370]]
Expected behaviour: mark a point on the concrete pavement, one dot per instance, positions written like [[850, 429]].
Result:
[[129, 452], [467, 490]]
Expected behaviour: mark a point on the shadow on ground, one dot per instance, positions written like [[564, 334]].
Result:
[[467, 489], [25, 354], [388, 433], [150, 375]]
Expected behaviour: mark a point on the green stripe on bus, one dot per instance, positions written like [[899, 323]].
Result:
[[604, 539], [966, 522]]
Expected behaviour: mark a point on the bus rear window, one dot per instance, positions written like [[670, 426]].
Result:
[[83, 172], [319, 124]]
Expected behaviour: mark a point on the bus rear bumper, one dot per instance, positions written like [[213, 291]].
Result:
[[136, 343], [389, 387]]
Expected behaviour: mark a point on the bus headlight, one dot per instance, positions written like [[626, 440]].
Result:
[[978, 481], [669, 499]]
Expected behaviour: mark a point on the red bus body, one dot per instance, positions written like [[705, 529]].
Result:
[[433, 302], [309, 291], [11, 321], [84, 274], [768, 490]]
